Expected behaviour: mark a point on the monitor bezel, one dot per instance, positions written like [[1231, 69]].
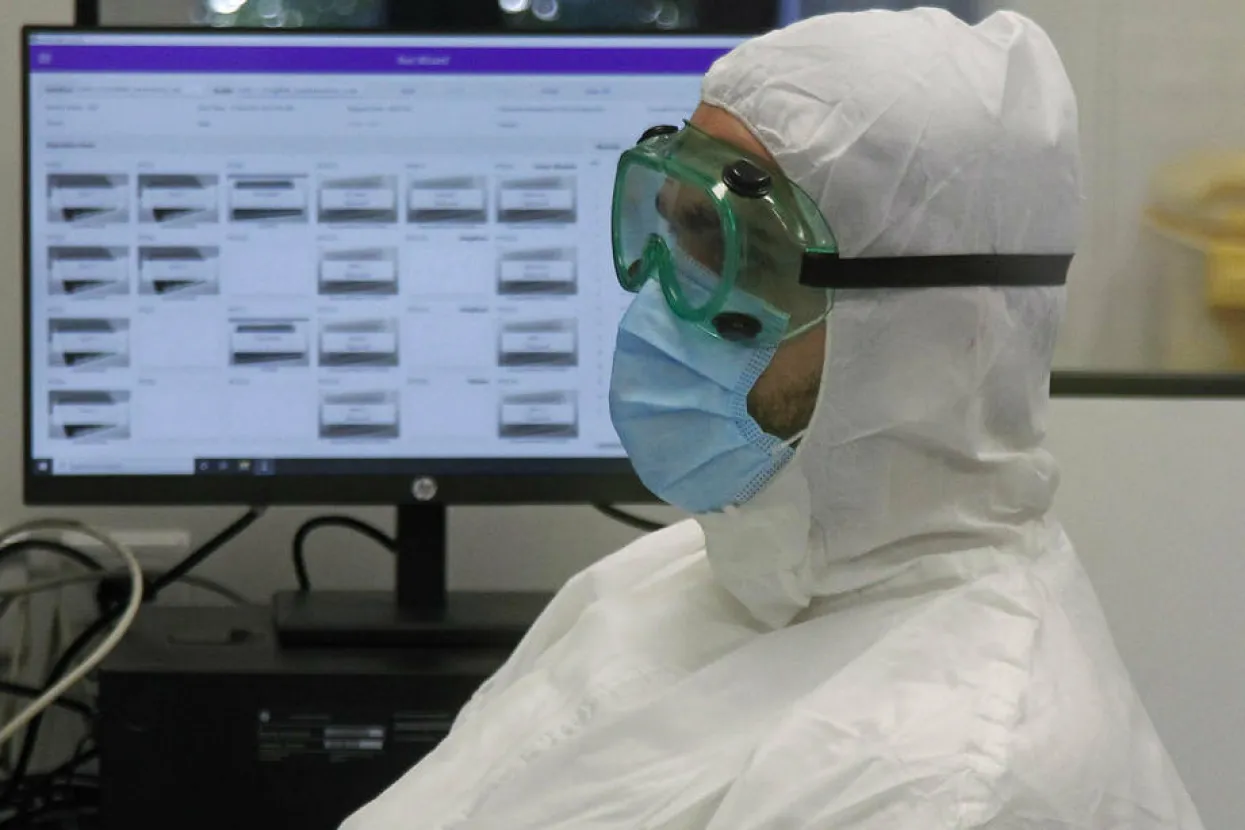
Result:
[[509, 481]]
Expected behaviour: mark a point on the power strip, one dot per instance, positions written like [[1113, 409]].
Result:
[[156, 550], [161, 547]]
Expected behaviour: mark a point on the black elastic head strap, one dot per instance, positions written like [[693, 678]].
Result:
[[958, 271]]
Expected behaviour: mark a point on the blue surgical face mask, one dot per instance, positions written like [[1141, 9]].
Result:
[[679, 402]]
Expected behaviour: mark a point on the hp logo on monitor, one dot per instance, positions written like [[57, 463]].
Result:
[[424, 489]]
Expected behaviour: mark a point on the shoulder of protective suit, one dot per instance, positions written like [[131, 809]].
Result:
[[647, 558], [635, 562], [983, 707]]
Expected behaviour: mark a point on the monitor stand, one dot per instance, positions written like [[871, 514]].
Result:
[[421, 613]]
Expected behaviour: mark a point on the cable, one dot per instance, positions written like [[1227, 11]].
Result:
[[207, 549], [19, 778], [312, 525], [67, 703], [22, 546], [13, 594], [123, 623], [108, 594], [214, 587], [15, 659], [39, 790], [9, 597], [58, 816], [82, 755], [202, 583], [630, 519], [22, 767], [10, 594]]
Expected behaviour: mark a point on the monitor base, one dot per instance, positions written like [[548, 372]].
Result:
[[355, 619]]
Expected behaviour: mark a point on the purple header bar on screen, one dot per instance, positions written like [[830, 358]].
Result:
[[376, 60]]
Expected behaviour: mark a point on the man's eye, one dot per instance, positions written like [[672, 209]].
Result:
[[761, 262]]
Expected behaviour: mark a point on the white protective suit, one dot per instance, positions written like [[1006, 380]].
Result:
[[895, 635]]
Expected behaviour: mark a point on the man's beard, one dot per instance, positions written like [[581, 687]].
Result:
[[786, 413]]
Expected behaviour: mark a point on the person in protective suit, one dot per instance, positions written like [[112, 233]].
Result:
[[849, 273]]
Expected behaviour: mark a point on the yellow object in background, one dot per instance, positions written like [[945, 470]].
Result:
[[1197, 209], [1226, 274]]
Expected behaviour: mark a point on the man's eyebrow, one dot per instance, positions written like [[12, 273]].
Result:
[[763, 236]]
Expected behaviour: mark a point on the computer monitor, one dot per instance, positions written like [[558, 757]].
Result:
[[330, 268]]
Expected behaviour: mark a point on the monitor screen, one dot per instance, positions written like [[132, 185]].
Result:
[[271, 256]]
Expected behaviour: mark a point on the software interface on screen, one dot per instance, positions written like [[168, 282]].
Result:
[[329, 248]]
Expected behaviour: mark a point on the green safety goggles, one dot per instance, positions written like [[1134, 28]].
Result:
[[743, 253]]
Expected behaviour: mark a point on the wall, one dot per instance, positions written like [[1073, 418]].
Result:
[[1151, 495]]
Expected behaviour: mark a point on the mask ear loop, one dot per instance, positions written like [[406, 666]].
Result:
[[791, 443]]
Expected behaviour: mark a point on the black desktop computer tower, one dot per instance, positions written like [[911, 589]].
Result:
[[205, 722]]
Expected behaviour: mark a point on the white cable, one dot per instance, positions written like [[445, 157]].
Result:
[[45, 700]]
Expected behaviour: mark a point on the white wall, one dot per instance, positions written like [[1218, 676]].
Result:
[[1151, 496], [1152, 491]]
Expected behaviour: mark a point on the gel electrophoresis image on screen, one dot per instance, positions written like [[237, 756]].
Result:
[[325, 253]]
